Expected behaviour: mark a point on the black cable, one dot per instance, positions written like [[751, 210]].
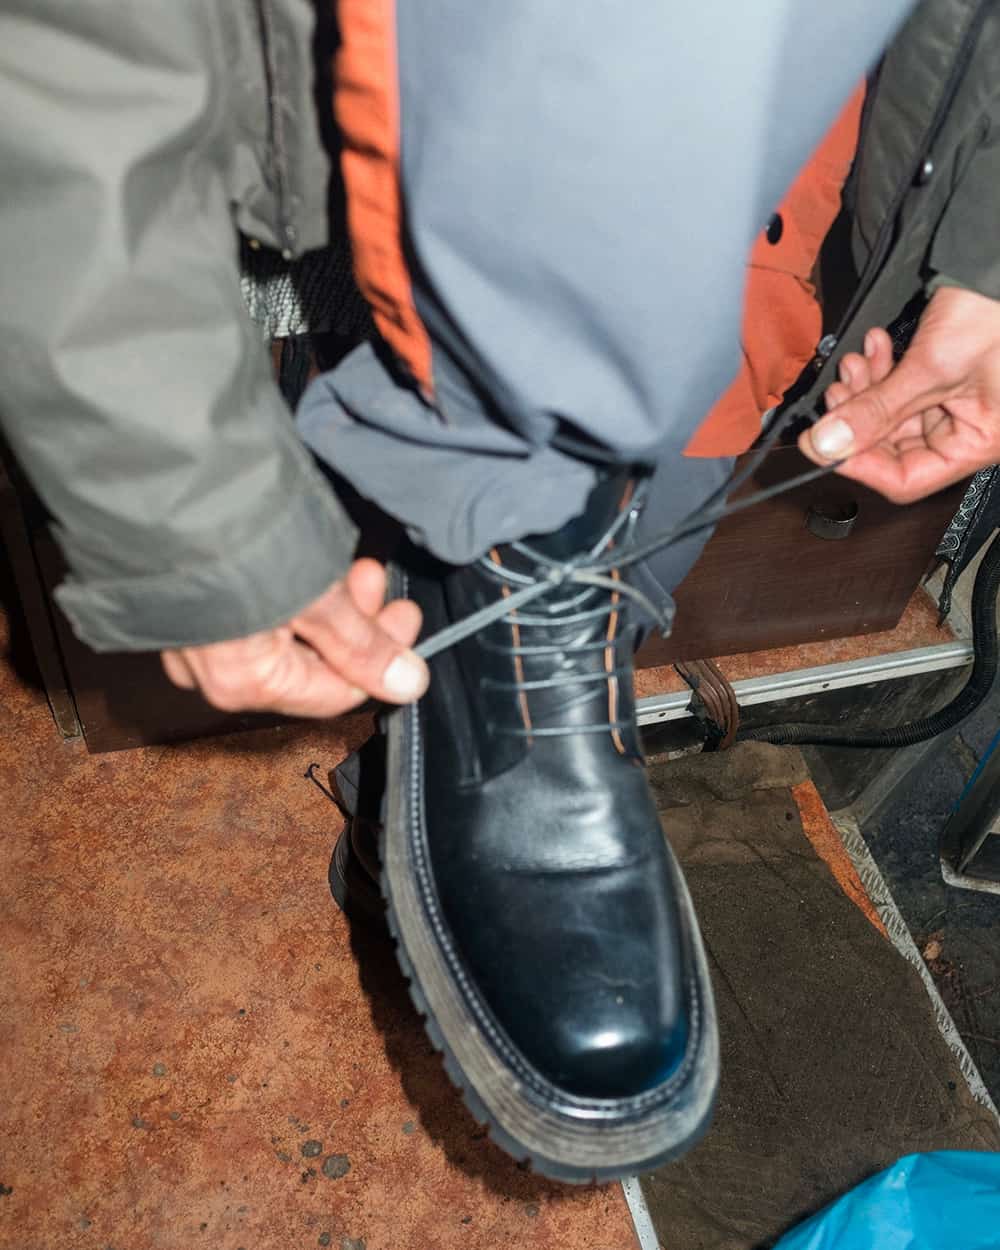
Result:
[[969, 698]]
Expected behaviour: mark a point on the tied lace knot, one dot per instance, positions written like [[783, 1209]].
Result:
[[591, 570], [595, 568]]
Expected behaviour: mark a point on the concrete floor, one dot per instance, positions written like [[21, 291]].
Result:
[[958, 929], [191, 1057], [833, 1064]]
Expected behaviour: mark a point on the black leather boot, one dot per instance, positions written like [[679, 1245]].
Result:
[[539, 912], [358, 789]]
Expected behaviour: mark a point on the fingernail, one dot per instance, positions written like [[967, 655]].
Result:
[[406, 677], [844, 373], [869, 345], [832, 438]]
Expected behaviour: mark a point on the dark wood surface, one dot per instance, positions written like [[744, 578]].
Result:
[[124, 699], [35, 607], [765, 580]]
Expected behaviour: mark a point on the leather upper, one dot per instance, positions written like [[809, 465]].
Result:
[[549, 863]]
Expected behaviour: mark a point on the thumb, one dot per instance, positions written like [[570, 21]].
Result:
[[859, 423]]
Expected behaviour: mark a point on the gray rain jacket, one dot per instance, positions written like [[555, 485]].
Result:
[[138, 397]]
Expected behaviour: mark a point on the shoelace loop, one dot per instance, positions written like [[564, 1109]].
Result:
[[597, 571], [543, 583]]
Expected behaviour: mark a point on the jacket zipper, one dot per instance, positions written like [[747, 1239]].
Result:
[[276, 128], [828, 344]]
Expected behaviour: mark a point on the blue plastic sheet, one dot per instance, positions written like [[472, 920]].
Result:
[[949, 1200]]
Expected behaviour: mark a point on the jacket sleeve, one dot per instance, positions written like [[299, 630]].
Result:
[[966, 247], [137, 396]]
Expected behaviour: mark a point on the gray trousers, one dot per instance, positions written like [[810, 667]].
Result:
[[451, 499], [580, 188]]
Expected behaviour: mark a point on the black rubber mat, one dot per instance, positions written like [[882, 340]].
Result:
[[833, 1062]]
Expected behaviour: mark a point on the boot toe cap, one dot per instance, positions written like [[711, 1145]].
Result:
[[627, 1054]]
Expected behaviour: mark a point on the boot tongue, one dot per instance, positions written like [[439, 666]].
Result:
[[569, 622], [582, 533]]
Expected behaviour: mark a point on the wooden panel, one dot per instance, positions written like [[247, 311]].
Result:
[[34, 606], [764, 580], [124, 699]]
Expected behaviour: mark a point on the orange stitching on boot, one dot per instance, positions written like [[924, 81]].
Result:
[[609, 665], [515, 629]]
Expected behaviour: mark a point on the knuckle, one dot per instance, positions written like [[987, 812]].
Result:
[[900, 494], [877, 410], [364, 645], [363, 649], [873, 419], [235, 692], [226, 699], [936, 357]]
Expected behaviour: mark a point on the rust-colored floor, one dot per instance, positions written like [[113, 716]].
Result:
[[191, 1057]]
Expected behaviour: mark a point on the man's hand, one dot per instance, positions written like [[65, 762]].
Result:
[[343, 648], [931, 420]]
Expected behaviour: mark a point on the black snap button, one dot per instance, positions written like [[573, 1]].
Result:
[[775, 229]]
